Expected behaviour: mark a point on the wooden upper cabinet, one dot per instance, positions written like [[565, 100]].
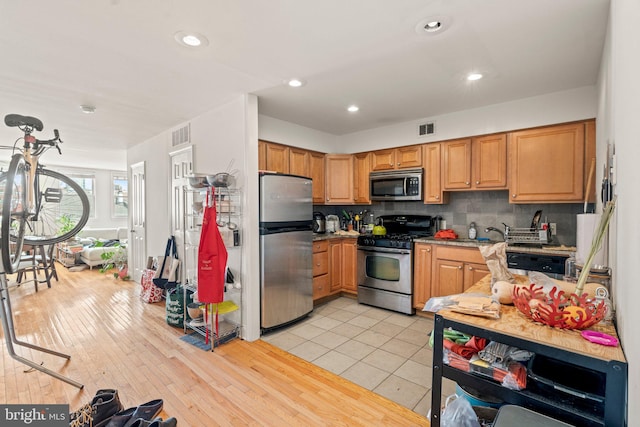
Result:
[[276, 157], [432, 156], [397, 158], [547, 164], [316, 170], [299, 162], [489, 162], [589, 155], [361, 169], [262, 155], [456, 164], [339, 179], [479, 163]]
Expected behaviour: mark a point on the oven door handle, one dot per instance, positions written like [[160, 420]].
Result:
[[384, 250]]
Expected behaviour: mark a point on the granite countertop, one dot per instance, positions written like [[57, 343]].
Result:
[[547, 249]]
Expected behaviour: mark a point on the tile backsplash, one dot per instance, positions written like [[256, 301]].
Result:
[[486, 209]]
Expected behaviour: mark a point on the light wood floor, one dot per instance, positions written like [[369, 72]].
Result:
[[116, 341]]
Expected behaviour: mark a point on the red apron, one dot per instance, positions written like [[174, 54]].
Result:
[[212, 259]]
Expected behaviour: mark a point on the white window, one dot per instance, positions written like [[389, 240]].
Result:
[[120, 195], [88, 184]]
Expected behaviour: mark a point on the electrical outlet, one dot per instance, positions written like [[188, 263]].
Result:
[[553, 228]]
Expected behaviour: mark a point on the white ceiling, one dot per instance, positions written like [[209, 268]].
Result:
[[121, 57]]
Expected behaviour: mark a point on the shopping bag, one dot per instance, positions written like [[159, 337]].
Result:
[[175, 305], [150, 293], [168, 273]]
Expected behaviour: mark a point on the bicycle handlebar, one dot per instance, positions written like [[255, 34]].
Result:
[[39, 145]]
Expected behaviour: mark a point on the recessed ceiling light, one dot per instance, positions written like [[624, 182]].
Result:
[[88, 109], [432, 26], [474, 76], [295, 82], [191, 39], [353, 108]]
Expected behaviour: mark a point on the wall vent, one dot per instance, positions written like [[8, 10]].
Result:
[[427, 129], [181, 135]]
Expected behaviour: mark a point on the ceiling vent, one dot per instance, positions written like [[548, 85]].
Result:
[[181, 135], [428, 128]]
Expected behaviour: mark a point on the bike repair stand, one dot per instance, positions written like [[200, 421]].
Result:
[[10, 335]]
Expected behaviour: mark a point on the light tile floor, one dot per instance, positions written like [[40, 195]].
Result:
[[381, 350]]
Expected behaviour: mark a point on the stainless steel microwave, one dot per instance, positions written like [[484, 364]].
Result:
[[403, 184]]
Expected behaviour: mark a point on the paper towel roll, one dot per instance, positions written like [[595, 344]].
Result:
[[586, 227]]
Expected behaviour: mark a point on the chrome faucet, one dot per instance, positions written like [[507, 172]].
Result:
[[489, 229]]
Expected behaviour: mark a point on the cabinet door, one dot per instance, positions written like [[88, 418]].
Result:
[[473, 273], [422, 259], [320, 263], [361, 168], [432, 177], [349, 266], [448, 278], [335, 266], [408, 157], [547, 164], [383, 160], [456, 164], [316, 169], [262, 155], [277, 158], [339, 177], [489, 162], [299, 162]]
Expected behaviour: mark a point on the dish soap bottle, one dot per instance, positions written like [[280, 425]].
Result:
[[472, 231]]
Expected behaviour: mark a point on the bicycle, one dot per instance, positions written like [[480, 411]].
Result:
[[39, 206]]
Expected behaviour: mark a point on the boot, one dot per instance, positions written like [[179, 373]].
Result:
[[121, 418], [169, 422], [98, 412], [147, 412]]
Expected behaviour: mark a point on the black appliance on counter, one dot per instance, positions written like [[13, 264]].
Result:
[[385, 267]]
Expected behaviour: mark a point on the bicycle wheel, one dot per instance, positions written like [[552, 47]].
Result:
[[14, 214], [62, 209]]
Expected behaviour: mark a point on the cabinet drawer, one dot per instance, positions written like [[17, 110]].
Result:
[[320, 263], [321, 286], [320, 246], [459, 254]]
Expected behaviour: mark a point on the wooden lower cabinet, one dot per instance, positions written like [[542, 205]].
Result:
[[335, 267], [321, 286], [455, 269], [422, 260], [350, 266]]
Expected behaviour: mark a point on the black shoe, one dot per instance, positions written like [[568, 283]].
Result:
[[121, 418], [169, 422], [146, 412], [98, 412]]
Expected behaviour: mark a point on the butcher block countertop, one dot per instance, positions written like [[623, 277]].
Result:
[[546, 250], [514, 323]]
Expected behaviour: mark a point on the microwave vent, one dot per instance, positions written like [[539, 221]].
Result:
[[181, 135], [428, 128]]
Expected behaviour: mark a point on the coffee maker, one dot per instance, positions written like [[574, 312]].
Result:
[[319, 223]]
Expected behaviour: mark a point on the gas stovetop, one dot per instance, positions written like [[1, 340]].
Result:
[[401, 230]]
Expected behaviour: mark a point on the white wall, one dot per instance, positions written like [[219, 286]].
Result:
[[287, 133], [619, 109], [225, 134], [558, 107]]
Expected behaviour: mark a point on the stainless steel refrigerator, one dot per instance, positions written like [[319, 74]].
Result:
[[286, 276]]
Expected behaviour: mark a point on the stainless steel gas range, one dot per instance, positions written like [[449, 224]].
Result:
[[385, 263]]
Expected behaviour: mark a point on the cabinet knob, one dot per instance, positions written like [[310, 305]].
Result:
[[466, 183], [470, 268], [398, 163], [459, 267], [437, 197], [317, 265], [428, 249], [477, 182], [513, 196]]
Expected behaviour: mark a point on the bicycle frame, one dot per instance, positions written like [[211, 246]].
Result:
[[31, 160]]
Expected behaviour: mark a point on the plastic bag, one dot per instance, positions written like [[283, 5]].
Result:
[[458, 413]]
